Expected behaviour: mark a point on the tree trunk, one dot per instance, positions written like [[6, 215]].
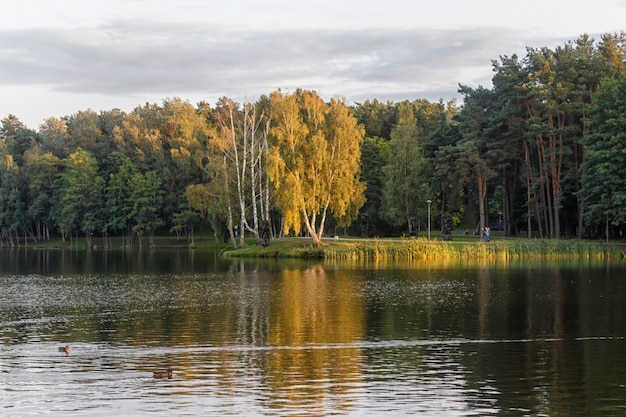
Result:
[[310, 226], [482, 194], [528, 191], [266, 207], [505, 202], [230, 227], [580, 159], [255, 160], [544, 180], [556, 164]]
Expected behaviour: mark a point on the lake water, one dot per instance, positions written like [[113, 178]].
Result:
[[296, 338]]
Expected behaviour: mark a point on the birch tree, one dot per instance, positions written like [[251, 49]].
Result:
[[313, 161], [237, 132]]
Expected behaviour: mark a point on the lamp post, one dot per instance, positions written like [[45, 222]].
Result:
[[428, 202]]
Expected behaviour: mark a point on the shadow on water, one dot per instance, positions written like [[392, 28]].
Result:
[[51, 262]]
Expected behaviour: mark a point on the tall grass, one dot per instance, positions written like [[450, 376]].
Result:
[[422, 249], [410, 249], [531, 248]]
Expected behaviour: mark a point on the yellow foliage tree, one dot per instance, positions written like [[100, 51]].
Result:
[[314, 161]]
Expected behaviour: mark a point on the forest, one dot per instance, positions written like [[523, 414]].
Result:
[[542, 153]]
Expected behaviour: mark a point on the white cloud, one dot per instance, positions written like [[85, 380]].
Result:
[[78, 55]]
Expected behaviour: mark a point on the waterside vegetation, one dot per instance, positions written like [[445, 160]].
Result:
[[353, 248], [422, 249]]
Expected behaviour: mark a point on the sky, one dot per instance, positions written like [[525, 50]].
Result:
[[64, 56]]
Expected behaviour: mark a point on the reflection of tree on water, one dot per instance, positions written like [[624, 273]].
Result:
[[313, 329], [523, 349]]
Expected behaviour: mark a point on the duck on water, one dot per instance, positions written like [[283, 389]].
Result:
[[166, 373]]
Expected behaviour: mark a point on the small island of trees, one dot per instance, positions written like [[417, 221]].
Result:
[[542, 153]]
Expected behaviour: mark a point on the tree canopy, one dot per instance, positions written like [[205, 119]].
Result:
[[603, 179], [538, 153]]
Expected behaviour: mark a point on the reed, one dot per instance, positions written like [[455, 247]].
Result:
[[423, 249], [533, 248]]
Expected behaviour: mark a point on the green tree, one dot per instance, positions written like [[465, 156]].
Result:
[[612, 48], [54, 137], [603, 178], [12, 210], [42, 170], [118, 198], [18, 138], [78, 203], [374, 156], [377, 118], [509, 139], [429, 116], [406, 187], [140, 137], [146, 198], [83, 131], [184, 132], [472, 149], [202, 200], [185, 219], [562, 82], [448, 181], [110, 123]]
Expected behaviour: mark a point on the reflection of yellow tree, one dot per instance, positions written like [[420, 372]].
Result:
[[313, 330]]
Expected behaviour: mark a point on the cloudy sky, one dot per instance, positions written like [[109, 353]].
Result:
[[59, 57]]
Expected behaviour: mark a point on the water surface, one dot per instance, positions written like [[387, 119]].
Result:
[[278, 338]]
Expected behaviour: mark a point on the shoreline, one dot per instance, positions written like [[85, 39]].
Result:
[[348, 248], [421, 248]]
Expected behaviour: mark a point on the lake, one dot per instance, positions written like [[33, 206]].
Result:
[[306, 338]]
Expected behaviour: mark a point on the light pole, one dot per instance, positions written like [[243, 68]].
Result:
[[428, 202]]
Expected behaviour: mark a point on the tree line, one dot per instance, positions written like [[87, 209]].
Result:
[[289, 159], [540, 153]]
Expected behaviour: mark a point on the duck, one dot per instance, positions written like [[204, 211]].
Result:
[[167, 373], [65, 349]]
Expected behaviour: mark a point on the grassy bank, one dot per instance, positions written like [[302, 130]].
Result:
[[421, 248]]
